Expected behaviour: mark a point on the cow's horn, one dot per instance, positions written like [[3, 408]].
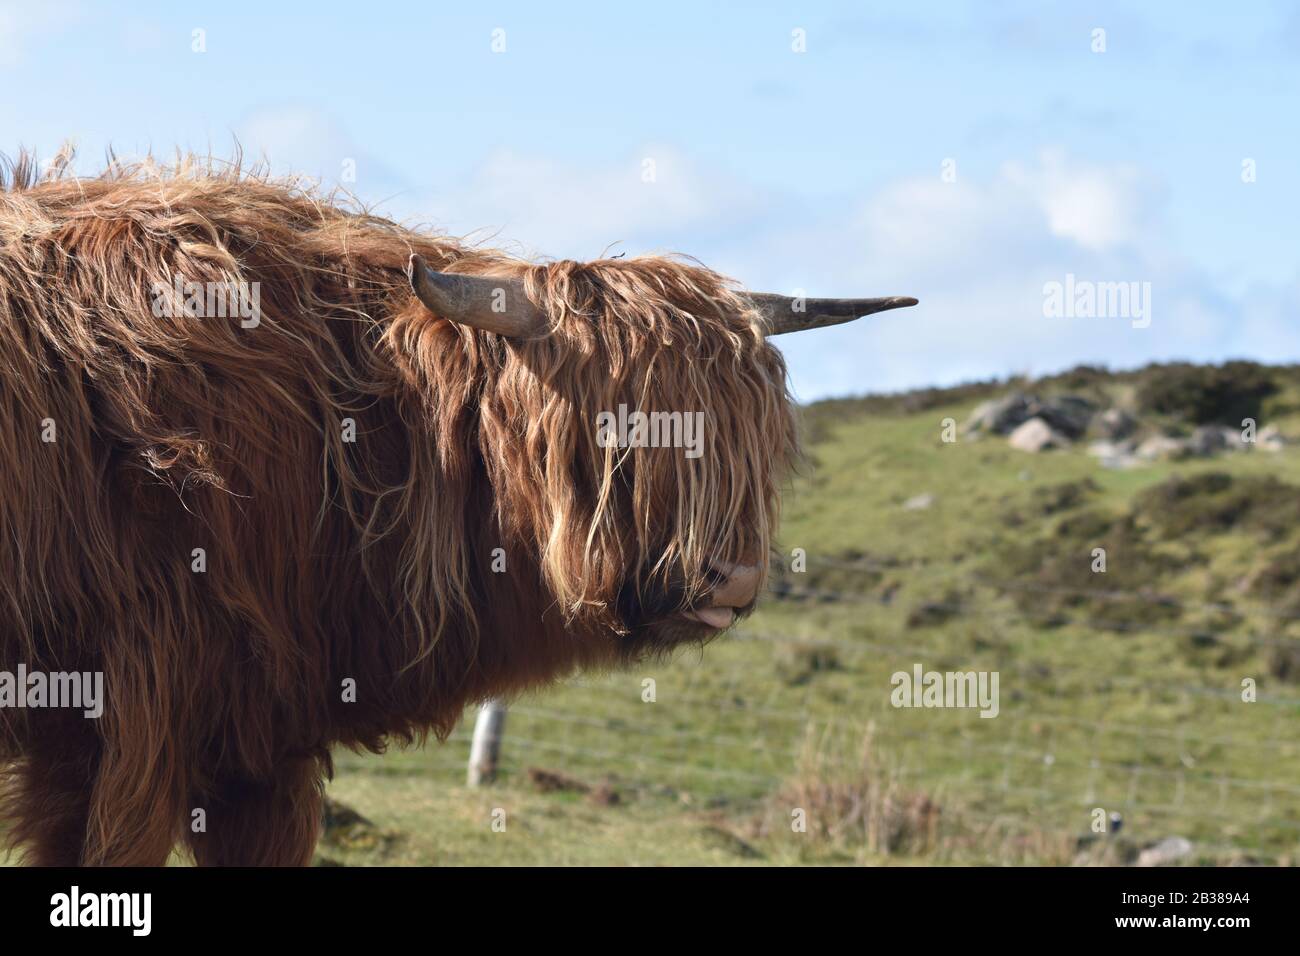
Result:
[[495, 304], [782, 313]]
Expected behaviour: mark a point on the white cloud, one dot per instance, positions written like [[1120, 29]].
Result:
[[978, 253], [1094, 206], [648, 200]]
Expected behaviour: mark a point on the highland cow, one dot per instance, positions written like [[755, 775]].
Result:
[[340, 523]]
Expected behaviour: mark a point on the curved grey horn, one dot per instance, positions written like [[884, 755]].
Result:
[[782, 314], [494, 304]]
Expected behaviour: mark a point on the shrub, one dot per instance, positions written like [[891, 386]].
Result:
[[1284, 664], [1052, 581], [797, 661], [1278, 582], [1215, 502], [860, 807], [1051, 499], [932, 613], [1207, 394]]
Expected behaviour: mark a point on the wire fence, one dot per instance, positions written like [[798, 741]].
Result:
[[1174, 756]]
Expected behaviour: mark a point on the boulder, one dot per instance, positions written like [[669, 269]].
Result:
[[1114, 424], [918, 502], [1114, 454], [1160, 447], [1209, 440], [1066, 414], [1037, 435], [1000, 415], [1270, 438], [1167, 851]]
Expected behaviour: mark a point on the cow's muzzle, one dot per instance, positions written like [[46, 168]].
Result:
[[737, 590]]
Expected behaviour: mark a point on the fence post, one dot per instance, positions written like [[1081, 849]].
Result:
[[486, 744]]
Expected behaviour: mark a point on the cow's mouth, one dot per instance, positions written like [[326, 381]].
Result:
[[735, 587], [731, 595], [718, 618]]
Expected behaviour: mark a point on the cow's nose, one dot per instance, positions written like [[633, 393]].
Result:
[[739, 584]]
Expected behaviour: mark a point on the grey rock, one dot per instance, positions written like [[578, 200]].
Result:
[[1000, 416], [1114, 424], [1270, 438], [1167, 851], [1069, 415], [1209, 440], [1117, 455], [1037, 435], [1160, 447]]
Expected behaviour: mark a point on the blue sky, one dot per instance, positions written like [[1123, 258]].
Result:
[[821, 170]]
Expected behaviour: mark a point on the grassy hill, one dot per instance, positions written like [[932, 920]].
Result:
[[1119, 691]]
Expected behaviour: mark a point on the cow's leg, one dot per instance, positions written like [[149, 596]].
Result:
[[47, 798], [261, 822], [137, 801], [94, 792], [136, 808]]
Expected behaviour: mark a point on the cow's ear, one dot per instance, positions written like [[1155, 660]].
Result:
[[494, 304]]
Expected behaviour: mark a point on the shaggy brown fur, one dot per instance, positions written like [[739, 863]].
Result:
[[328, 560]]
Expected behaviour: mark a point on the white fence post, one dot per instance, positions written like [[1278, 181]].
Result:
[[486, 744]]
